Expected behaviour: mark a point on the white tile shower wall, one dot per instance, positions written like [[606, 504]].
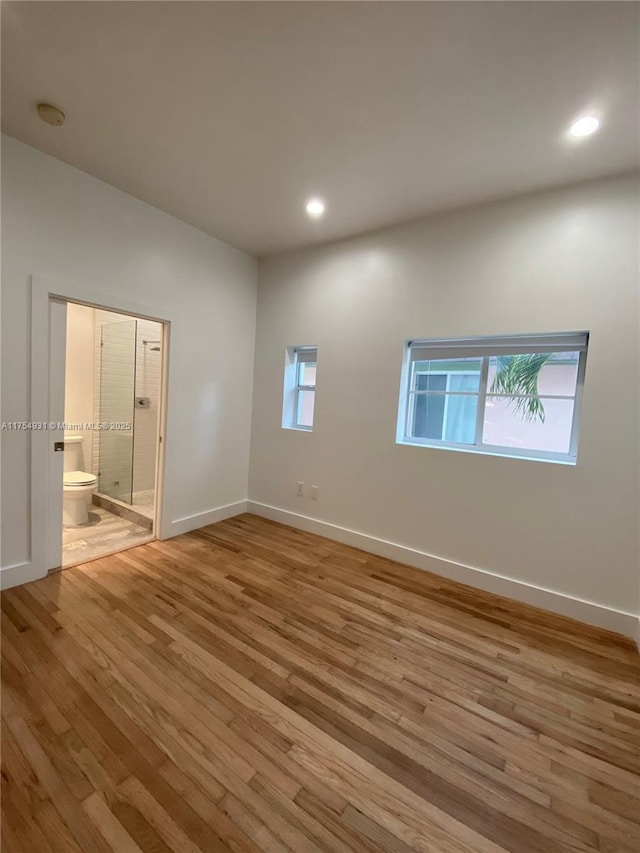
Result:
[[110, 456], [145, 421]]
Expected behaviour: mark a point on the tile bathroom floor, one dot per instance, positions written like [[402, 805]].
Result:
[[144, 502], [104, 534]]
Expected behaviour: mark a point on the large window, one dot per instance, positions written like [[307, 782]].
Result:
[[299, 387], [515, 396]]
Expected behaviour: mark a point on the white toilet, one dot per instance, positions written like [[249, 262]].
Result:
[[78, 485]]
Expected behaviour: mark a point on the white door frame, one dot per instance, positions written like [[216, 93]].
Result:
[[48, 349], [55, 416]]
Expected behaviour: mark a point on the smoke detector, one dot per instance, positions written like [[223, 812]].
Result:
[[50, 114]]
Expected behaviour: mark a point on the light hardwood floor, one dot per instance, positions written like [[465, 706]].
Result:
[[251, 687]]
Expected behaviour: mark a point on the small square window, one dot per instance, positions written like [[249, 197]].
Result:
[[509, 396], [299, 387]]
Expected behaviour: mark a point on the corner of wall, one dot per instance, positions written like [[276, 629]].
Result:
[[202, 519]]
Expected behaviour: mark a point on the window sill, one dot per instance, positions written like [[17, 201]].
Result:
[[478, 451], [297, 428]]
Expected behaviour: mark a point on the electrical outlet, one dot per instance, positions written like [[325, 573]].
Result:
[[315, 493], [300, 489]]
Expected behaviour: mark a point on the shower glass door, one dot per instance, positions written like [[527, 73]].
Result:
[[117, 395]]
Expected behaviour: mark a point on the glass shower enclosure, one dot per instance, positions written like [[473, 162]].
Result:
[[116, 408]]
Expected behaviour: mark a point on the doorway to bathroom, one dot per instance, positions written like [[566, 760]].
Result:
[[112, 418]]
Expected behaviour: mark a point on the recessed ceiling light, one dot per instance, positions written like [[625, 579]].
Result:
[[584, 126], [50, 114], [315, 208]]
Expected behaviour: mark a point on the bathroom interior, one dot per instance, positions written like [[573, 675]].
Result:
[[113, 380]]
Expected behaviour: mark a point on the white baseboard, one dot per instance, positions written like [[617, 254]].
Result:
[[599, 615], [201, 519], [18, 574]]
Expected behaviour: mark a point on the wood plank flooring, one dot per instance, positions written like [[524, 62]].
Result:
[[250, 687]]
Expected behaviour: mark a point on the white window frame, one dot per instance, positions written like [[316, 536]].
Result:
[[485, 348], [294, 357]]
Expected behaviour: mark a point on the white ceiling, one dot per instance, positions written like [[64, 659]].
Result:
[[230, 115]]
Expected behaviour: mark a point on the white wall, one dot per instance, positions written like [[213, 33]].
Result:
[[79, 369], [61, 224], [556, 261]]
